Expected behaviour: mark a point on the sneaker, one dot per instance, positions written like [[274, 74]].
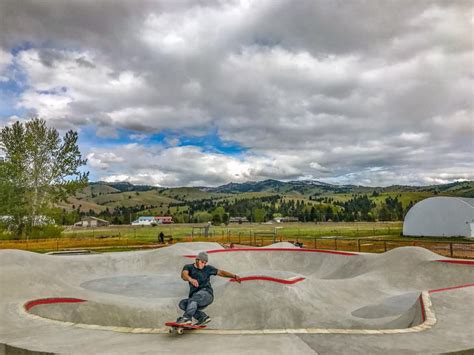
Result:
[[182, 320], [203, 321]]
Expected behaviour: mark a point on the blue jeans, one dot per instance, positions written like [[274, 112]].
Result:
[[193, 306]]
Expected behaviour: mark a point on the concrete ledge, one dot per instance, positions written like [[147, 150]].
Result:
[[429, 321]]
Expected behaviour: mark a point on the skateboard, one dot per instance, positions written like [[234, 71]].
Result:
[[179, 328]]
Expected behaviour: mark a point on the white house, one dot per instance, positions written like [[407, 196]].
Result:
[[285, 219], [441, 217], [91, 222], [152, 221], [144, 221]]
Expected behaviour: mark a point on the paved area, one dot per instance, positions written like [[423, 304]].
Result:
[[291, 301]]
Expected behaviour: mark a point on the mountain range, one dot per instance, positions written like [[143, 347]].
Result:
[[98, 196]]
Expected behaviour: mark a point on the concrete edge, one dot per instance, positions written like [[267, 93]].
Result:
[[425, 303]]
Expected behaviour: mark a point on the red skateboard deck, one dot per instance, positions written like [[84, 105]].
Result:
[[179, 327], [185, 326]]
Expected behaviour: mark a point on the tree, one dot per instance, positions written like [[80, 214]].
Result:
[[218, 216], [40, 168], [258, 215]]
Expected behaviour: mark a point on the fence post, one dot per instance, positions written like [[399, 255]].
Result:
[[335, 243], [358, 245], [451, 249], [315, 243], [57, 244], [385, 245]]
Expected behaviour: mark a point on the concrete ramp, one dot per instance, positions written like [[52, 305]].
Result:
[[283, 287], [285, 291]]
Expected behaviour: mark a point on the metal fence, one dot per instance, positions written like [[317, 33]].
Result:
[[363, 245], [366, 245]]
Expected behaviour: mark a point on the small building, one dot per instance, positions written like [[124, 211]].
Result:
[[238, 220], [152, 221], [441, 217], [285, 219], [144, 221], [92, 222], [164, 219]]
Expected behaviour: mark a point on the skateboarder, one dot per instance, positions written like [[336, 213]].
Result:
[[200, 290]]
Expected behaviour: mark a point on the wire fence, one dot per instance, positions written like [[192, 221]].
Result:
[[252, 238]]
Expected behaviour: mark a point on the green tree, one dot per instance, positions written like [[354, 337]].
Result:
[[258, 215], [40, 169], [218, 215], [202, 217]]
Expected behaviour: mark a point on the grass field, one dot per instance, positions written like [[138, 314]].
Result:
[[287, 230]]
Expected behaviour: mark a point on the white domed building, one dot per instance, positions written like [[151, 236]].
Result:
[[441, 217]]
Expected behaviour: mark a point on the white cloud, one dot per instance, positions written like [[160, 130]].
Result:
[[103, 160], [385, 98], [5, 60], [460, 122]]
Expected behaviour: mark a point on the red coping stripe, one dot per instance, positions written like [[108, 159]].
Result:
[[450, 288], [277, 249], [31, 304], [464, 262], [269, 278]]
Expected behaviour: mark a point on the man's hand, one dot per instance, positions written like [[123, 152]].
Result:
[[194, 282]]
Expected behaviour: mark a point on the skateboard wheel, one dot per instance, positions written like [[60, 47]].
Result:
[[180, 331]]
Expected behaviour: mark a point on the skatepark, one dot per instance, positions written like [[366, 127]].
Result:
[[290, 301]]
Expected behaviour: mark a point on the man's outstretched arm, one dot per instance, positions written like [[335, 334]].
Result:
[[229, 275]]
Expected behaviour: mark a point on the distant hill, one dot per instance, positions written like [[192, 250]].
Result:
[[273, 186], [123, 186], [309, 187], [290, 197]]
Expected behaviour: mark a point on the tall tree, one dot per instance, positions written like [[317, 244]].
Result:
[[41, 167]]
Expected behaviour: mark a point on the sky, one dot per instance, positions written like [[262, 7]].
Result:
[[207, 92]]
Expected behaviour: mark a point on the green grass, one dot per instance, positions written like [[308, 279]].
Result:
[[292, 230]]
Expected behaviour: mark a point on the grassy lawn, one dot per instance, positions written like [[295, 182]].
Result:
[[287, 230]]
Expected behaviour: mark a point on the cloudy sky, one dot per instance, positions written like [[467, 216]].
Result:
[[192, 93]]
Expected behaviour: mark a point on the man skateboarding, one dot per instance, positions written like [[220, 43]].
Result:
[[201, 294]]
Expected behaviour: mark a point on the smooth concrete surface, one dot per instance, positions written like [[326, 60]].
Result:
[[291, 302]]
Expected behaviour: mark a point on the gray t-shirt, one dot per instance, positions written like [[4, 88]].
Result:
[[202, 276]]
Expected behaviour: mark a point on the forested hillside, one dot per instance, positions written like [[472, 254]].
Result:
[[309, 201]]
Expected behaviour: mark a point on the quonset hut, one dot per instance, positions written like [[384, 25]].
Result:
[[441, 217]]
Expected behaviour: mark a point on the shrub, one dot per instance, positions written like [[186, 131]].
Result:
[[46, 231]]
